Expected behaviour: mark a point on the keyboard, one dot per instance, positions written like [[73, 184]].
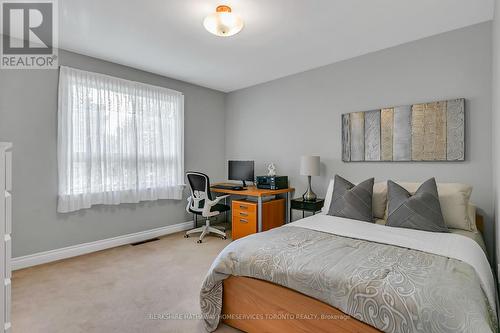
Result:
[[229, 187]]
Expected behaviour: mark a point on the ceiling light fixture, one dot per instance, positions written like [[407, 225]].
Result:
[[223, 23]]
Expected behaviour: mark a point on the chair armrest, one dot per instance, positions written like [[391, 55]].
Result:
[[217, 199], [194, 204], [189, 199], [209, 204]]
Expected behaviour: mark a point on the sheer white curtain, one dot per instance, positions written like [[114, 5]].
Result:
[[119, 141]]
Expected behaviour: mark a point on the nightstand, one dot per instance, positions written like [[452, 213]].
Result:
[[306, 206]]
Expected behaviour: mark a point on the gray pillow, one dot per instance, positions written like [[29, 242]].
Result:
[[420, 211], [352, 201]]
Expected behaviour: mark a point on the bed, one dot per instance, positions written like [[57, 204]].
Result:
[[326, 273]]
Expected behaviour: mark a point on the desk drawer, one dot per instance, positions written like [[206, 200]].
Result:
[[245, 214], [243, 227], [244, 218], [244, 206]]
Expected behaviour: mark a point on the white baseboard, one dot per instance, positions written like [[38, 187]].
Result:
[[77, 250]]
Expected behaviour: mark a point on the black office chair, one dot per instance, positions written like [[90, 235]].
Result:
[[201, 203]]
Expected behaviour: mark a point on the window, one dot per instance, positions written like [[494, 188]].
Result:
[[118, 141]]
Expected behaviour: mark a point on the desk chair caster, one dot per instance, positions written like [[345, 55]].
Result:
[[205, 230], [199, 241]]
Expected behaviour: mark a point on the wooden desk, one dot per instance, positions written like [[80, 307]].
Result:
[[259, 193]]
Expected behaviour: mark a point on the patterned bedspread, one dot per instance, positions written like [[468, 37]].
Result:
[[392, 288]]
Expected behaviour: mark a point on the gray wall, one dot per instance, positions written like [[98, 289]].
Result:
[[28, 118], [273, 122], [280, 120]]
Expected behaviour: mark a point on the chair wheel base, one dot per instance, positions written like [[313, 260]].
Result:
[[186, 236], [224, 237], [198, 241]]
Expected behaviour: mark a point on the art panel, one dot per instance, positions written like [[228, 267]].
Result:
[[435, 131], [455, 119], [386, 138], [417, 132], [357, 126], [346, 138], [402, 133], [372, 135], [432, 131]]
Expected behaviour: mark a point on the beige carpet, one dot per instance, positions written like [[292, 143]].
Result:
[[116, 290]]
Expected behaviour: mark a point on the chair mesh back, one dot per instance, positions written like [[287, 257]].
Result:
[[199, 182]]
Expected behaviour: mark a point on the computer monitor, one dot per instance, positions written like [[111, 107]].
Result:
[[241, 170]]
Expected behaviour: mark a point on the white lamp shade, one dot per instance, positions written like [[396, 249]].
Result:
[[309, 165]]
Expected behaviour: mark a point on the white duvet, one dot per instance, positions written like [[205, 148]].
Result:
[[444, 244]]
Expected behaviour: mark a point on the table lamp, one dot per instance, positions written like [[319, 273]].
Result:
[[309, 166]]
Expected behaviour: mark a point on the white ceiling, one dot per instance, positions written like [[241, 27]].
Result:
[[281, 37]]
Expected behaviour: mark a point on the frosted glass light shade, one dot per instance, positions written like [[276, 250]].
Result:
[[223, 22], [309, 165]]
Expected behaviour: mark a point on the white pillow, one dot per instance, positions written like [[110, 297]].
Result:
[[379, 200], [471, 210], [328, 196]]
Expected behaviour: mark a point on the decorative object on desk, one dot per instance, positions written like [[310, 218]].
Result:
[[309, 166], [420, 132], [271, 169]]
